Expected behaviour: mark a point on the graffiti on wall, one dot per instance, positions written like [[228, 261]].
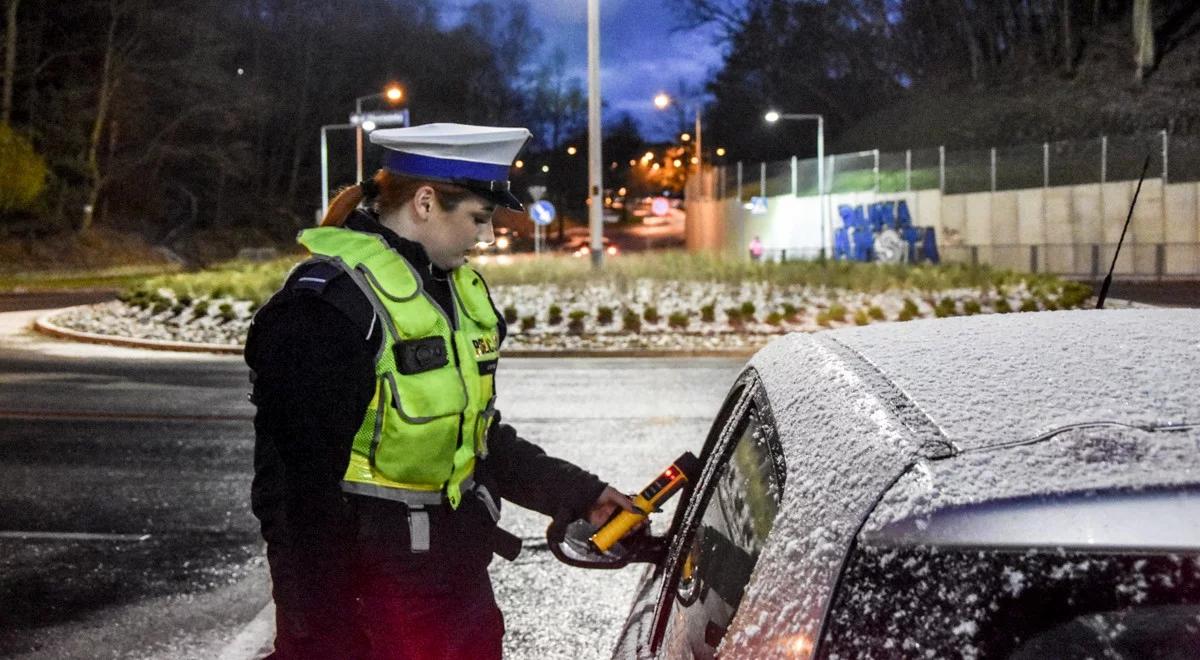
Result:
[[883, 232]]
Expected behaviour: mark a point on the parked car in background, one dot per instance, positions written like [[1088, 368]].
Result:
[[582, 247], [1020, 486]]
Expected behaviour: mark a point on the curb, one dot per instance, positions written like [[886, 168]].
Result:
[[43, 325], [743, 353]]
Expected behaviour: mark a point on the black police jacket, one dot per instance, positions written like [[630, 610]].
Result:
[[311, 349]]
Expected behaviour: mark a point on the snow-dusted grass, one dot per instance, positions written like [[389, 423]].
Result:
[[655, 301]]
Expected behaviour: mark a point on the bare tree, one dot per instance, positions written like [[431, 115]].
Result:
[[10, 61], [1143, 37], [118, 48]]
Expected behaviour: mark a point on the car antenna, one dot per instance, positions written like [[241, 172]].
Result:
[[1108, 278]]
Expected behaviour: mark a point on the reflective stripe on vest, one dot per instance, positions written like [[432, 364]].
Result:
[[422, 431]]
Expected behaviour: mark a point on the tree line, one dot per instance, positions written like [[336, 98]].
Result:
[[172, 119], [849, 58]]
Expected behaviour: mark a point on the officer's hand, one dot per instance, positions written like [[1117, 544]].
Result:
[[609, 501]]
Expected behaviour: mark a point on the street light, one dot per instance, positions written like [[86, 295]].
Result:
[[661, 101], [773, 116], [394, 93]]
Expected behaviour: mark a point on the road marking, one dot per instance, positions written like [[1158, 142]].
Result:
[[253, 638], [116, 416], [70, 536]]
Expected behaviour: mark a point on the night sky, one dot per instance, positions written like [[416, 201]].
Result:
[[641, 54]]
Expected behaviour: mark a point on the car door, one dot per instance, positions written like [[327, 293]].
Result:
[[722, 530]]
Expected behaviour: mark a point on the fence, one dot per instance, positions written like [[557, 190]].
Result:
[[1173, 158]]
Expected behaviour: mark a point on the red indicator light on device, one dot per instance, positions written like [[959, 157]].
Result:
[[670, 473]]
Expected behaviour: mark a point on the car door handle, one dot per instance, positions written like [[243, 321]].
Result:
[[714, 633]]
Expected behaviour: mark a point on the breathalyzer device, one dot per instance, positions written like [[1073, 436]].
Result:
[[684, 469]]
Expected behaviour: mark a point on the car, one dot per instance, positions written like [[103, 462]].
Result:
[[582, 247], [1022, 486]]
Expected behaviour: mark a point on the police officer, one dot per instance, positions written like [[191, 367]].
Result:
[[380, 459]]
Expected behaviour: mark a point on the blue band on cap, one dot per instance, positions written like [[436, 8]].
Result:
[[444, 168]]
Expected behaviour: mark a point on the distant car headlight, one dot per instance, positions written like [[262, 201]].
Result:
[[502, 243], [612, 250]]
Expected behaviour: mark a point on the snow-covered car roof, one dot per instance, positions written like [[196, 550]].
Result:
[[856, 407], [1001, 378]]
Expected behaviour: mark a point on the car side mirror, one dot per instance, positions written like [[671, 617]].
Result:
[[570, 543]]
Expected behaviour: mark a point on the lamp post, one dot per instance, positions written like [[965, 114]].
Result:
[[394, 94], [325, 160], [772, 117], [595, 174]]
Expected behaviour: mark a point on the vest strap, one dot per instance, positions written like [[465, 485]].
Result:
[[411, 498]]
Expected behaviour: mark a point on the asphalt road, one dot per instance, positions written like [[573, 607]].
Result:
[[125, 528], [11, 302]]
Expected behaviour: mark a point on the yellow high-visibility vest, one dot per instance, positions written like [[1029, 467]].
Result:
[[434, 376]]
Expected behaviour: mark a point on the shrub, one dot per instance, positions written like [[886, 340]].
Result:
[[945, 307], [790, 311], [510, 314], [225, 311], [650, 314], [528, 323], [876, 313], [678, 320], [604, 315], [836, 312], [708, 313], [22, 172], [201, 309], [911, 308], [160, 306], [734, 316], [823, 319], [555, 315], [1073, 295], [1029, 305], [575, 325], [971, 307], [860, 317], [906, 314], [178, 309], [630, 321], [1002, 306], [748, 310], [774, 318]]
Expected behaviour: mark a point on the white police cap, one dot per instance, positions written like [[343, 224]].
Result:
[[475, 157]]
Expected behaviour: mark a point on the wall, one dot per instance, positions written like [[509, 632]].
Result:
[[1065, 229]]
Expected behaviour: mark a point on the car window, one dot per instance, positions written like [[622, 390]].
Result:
[[738, 502]]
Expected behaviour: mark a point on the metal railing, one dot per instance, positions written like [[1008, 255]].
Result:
[[1174, 158]]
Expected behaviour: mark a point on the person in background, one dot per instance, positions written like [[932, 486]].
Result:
[[756, 249], [380, 458]]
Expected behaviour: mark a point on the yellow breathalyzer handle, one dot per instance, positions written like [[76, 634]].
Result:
[[660, 490]]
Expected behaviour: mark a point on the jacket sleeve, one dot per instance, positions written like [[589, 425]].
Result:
[[528, 477], [313, 380]]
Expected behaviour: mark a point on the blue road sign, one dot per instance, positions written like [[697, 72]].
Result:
[[542, 213], [758, 205]]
